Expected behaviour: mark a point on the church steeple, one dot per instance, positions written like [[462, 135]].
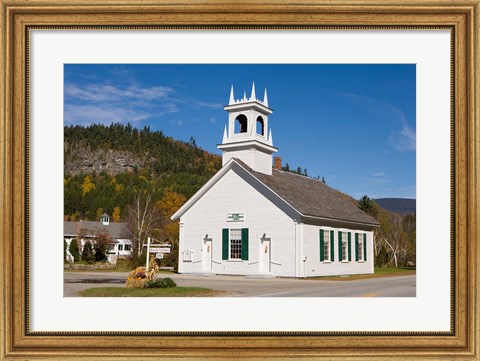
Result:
[[246, 137], [232, 97]]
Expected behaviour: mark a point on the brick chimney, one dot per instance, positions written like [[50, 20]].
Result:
[[277, 163]]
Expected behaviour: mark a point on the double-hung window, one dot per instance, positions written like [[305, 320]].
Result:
[[360, 247], [235, 244], [344, 246], [326, 245]]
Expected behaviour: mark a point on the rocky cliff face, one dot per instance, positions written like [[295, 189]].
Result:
[[79, 158]]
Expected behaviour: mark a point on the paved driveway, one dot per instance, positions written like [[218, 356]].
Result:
[[241, 286]]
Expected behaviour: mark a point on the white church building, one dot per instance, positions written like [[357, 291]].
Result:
[[254, 219]]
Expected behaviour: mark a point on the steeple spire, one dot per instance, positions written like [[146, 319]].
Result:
[[244, 96], [265, 98], [225, 135], [232, 97], [253, 96], [270, 139]]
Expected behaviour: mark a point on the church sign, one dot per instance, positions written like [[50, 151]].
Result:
[[235, 217], [159, 249]]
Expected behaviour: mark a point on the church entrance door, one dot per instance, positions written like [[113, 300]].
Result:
[[265, 256], [207, 254]]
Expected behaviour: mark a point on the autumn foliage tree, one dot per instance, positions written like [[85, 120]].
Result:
[[166, 207], [116, 214]]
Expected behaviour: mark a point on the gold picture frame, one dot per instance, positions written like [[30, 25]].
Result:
[[460, 17]]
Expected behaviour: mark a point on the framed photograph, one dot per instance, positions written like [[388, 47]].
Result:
[[44, 44]]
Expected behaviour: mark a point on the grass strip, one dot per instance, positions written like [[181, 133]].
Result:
[[152, 292], [378, 272]]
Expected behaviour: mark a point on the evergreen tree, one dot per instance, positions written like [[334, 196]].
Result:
[[101, 246], [73, 249], [368, 205], [87, 254]]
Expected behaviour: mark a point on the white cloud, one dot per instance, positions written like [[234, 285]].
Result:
[[404, 139], [208, 105], [105, 92], [87, 114], [212, 120], [106, 103], [380, 174], [178, 123]]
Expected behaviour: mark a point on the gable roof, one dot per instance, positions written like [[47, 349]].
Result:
[[309, 197], [114, 229], [313, 198]]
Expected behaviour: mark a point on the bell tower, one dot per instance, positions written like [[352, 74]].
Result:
[[248, 136]]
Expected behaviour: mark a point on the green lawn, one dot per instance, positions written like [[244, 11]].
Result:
[[152, 292], [378, 272]]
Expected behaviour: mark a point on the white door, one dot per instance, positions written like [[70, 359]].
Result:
[[265, 256], [207, 254]]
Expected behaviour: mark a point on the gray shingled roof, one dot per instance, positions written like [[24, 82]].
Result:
[[311, 197], [114, 229]]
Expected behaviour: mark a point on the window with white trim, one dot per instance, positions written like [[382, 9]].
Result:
[[120, 247], [326, 245], [360, 246], [128, 247], [236, 243], [344, 246]]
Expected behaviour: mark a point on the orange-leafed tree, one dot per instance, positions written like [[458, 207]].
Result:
[[166, 207], [116, 214]]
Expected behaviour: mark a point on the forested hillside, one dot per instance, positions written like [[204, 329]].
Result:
[[105, 166], [398, 205]]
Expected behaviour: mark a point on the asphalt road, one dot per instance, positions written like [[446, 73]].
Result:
[[241, 286]]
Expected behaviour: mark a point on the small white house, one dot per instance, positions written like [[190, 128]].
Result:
[[250, 219], [88, 230]]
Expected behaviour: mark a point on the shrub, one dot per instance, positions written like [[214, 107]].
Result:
[[101, 246], [73, 248], [138, 261], [161, 283], [87, 254]]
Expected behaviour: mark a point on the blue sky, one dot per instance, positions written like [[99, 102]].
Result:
[[355, 125]]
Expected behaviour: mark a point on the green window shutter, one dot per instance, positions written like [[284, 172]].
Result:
[[245, 244], [356, 247], [349, 246], [332, 246], [364, 247], [225, 243], [322, 247], [340, 255]]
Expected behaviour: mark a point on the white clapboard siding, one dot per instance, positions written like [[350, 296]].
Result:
[[314, 267], [208, 216]]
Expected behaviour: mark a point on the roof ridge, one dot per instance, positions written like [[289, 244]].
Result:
[[304, 176]]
